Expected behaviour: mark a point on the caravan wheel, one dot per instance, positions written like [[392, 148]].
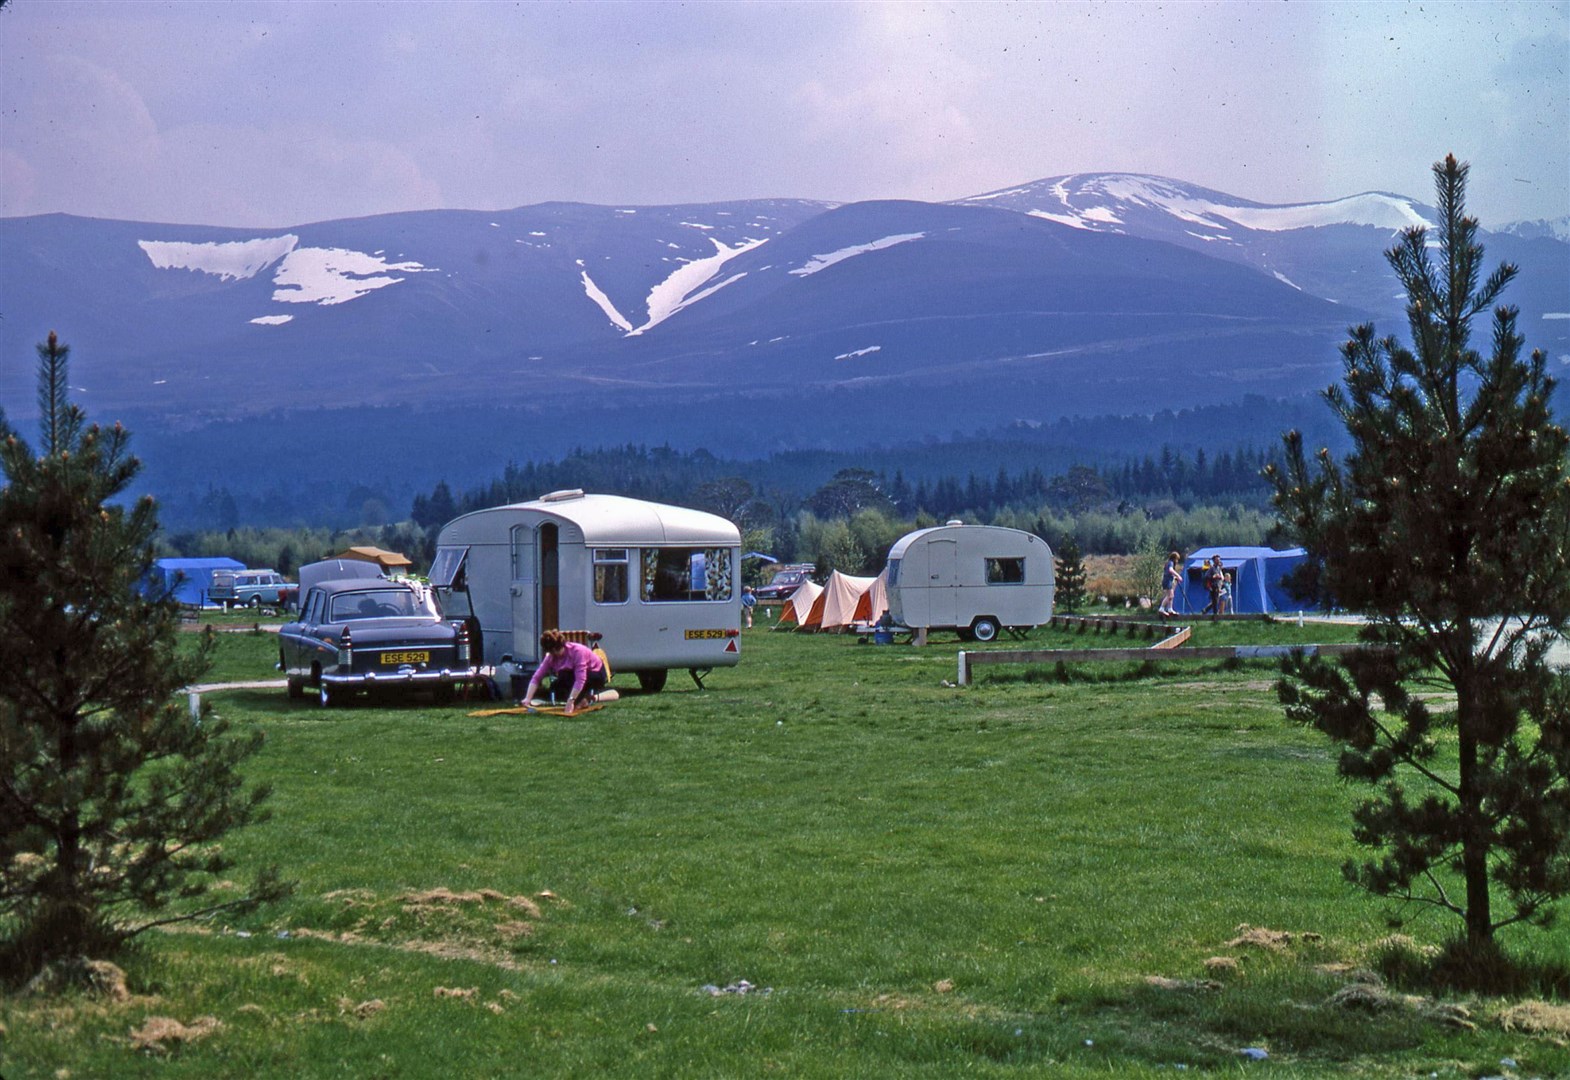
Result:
[[984, 628], [652, 682]]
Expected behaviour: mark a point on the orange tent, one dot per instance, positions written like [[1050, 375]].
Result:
[[799, 604]]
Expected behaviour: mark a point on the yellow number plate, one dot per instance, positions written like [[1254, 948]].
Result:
[[406, 657], [694, 635]]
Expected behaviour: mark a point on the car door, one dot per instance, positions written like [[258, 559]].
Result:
[[292, 643]]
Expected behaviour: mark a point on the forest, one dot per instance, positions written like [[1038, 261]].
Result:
[[846, 520]]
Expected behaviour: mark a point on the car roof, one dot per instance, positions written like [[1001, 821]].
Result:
[[360, 585]]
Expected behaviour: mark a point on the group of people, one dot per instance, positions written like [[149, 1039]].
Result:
[[1217, 582]]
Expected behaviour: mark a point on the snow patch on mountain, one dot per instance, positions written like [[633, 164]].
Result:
[[234, 260], [598, 296], [681, 288], [1096, 200], [1073, 221], [823, 262], [272, 320], [1553, 228], [335, 275]]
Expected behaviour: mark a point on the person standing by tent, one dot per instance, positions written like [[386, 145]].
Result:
[[559, 658], [1170, 577], [749, 600], [1216, 580]]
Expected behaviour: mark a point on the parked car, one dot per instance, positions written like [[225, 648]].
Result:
[[371, 633], [251, 588], [787, 579]]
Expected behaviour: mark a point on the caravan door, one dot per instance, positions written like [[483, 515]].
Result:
[[943, 593], [525, 593]]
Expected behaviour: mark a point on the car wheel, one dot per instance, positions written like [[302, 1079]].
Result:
[[652, 682], [296, 688], [255, 602], [984, 628]]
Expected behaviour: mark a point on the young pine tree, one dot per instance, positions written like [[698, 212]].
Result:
[[112, 797], [1071, 576], [1449, 526]]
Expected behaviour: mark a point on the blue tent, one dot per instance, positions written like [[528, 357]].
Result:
[[1256, 574], [189, 579]]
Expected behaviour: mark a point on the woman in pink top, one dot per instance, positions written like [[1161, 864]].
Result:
[[577, 672]]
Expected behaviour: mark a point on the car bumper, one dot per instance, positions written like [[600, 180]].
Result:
[[368, 679]]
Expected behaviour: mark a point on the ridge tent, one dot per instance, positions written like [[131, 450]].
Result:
[[800, 603], [874, 601], [1256, 573], [188, 580], [835, 607]]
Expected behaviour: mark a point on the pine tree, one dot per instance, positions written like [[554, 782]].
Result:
[[1071, 576], [112, 799], [1449, 525]]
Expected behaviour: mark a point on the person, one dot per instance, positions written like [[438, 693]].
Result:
[[575, 671], [748, 601], [1225, 606], [1171, 576], [1215, 580]]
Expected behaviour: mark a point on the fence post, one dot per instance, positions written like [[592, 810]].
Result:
[[964, 669]]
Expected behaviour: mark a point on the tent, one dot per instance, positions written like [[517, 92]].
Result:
[[875, 601], [835, 607], [189, 580], [1256, 573], [799, 604], [391, 562]]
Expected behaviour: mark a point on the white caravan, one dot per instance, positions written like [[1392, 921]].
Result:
[[976, 579], [660, 584]]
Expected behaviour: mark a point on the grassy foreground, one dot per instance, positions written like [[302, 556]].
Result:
[[829, 863]]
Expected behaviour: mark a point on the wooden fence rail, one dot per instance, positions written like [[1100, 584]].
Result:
[[1162, 651]]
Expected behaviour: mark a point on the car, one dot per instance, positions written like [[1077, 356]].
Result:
[[372, 633], [251, 588], [787, 579]]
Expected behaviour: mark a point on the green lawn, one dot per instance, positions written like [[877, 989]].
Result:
[[918, 880]]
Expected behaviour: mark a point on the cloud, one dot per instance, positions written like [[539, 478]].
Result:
[[265, 114]]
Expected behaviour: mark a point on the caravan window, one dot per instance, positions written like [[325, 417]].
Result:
[[1005, 571], [685, 574], [894, 572], [447, 566], [610, 575]]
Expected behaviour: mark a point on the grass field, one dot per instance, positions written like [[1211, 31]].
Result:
[[1030, 876]]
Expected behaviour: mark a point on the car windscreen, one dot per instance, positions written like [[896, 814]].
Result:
[[374, 604]]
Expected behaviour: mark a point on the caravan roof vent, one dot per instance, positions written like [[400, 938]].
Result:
[[563, 495], [953, 521]]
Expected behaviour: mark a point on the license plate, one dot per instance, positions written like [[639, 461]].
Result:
[[695, 635], [406, 658]]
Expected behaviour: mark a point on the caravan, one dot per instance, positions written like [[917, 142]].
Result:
[[660, 584], [976, 579]]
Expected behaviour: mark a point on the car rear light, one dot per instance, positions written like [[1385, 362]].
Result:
[[463, 644], [345, 651]]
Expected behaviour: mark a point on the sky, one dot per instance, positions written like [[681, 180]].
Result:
[[257, 114]]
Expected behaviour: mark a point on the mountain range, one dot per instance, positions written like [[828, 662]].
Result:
[[759, 325]]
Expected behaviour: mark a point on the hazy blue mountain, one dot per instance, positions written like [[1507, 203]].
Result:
[[751, 327], [1333, 250]]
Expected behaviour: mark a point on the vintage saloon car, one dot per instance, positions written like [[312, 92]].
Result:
[[371, 633]]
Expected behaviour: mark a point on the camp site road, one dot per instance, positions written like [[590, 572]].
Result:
[[259, 684]]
